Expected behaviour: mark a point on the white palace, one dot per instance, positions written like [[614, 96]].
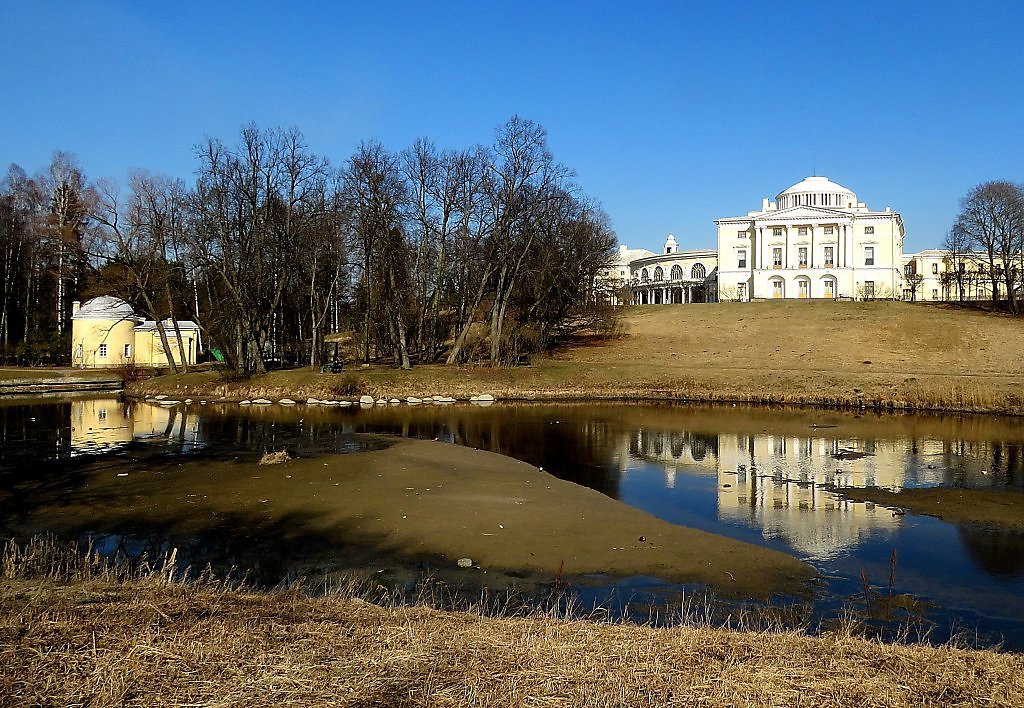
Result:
[[816, 240]]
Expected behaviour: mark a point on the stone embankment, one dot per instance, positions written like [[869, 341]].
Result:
[[61, 382], [483, 399]]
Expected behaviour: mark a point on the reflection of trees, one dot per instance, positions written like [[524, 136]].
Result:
[[34, 431], [573, 447], [651, 444], [984, 463], [999, 553]]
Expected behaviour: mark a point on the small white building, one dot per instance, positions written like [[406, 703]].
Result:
[[814, 241]]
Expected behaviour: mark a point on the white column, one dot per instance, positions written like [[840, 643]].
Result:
[[810, 252]]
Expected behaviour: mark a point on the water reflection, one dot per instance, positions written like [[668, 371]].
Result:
[[106, 424], [759, 475]]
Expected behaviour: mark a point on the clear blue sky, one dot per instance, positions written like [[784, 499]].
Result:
[[671, 113]]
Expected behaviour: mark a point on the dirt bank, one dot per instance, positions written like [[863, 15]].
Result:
[[417, 500], [982, 507]]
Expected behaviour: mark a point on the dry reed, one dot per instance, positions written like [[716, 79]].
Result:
[[77, 632]]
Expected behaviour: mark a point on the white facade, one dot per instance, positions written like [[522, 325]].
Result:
[[814, 241]]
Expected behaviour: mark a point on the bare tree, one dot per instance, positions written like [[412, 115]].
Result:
[[142, 237], [375, 196], [248, 211], [991, 219], [958, 249]]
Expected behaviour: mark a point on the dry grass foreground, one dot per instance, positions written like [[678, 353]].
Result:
[[886, 354], [151, 641], [418, 499]]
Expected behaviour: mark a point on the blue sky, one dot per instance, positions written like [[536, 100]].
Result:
[[671, 113]]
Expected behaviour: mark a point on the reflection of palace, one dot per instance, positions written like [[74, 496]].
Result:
[[779, 482], [776, 482], [102, 423]]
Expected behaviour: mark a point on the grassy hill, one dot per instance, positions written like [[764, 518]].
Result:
[[888, 354]]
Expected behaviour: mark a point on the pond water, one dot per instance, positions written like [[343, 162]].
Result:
[[754, 474]]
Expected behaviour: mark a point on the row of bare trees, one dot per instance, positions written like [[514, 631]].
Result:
[[987, 241], [424, 255], [44, 224]]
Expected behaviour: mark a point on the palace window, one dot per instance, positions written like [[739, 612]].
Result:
[[659, 274], [830, 288], [869, 229], [935, 293], [741, 234], [103, 351], [741, 259], [644, 275], [869, 255], [802, 231], [777, 231], [935, 268], [828, 230], [776, 257], [698, 272], [127, 351], [677, 272], [869, 289], [777, 290], [803, 256], [829, 258], [804, 287]]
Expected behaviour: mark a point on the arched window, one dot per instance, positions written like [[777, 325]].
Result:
[[644, 275], [677, 272], [698, 272], [659, 274]]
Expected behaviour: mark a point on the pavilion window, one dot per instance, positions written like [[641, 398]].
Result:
[[803, 256], [741, 259], [777, 231], [869, 255], [829, 259], [777, 257]]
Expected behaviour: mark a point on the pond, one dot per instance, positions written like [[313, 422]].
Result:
[[754, 474]]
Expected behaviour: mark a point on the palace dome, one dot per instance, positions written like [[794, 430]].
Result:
[[816, 191], [105, 307]]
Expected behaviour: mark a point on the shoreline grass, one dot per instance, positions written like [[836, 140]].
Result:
[[77, 633]]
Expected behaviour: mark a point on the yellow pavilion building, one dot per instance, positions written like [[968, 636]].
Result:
[[106, 333]]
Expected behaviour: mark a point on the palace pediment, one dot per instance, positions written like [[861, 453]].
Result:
[[802, 213]]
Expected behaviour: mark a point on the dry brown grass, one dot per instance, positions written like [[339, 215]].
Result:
[[144, 639], [275, 457], [879, 355]]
